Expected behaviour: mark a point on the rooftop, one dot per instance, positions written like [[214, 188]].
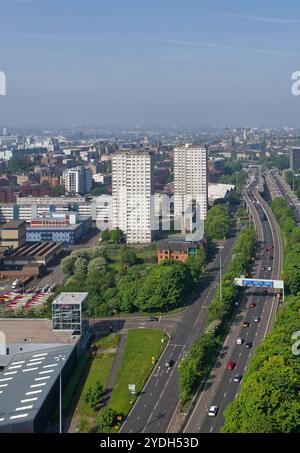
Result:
[[177, 245], [13, 224], [26, 382], [70, 298], [33, 331]]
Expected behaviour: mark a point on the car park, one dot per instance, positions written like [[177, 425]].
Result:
[[213, 410]]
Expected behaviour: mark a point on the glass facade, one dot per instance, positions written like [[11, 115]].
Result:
[[67, 317]]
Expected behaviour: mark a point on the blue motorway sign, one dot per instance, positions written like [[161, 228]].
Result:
[[258, 282]]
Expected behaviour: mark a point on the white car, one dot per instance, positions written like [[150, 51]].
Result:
[[269, 268], [213, 410]]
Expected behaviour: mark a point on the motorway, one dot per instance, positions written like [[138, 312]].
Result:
[[157, 402], [220, 388]]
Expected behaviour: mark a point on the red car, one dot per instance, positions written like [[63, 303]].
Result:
[[253, 305], [230, 365]]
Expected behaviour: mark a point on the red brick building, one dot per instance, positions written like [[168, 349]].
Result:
[[177, 250]]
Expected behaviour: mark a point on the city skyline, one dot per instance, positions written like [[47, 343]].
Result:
[[112, 63]]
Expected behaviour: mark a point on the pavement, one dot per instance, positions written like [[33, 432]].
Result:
[[154, 409]]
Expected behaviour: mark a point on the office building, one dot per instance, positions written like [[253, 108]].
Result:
[[190, 187], [295, 159], [132, 187], [77, 180]]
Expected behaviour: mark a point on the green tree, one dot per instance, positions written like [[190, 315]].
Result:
[[106, 235], [93, 395], [81, 266], [106, 418], [59, 190], [128, 256], [116, 235], [68, 265]]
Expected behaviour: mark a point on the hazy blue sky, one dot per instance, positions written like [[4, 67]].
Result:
[[151, 62]]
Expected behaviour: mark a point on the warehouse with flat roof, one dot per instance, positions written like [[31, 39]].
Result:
[[30, 370]]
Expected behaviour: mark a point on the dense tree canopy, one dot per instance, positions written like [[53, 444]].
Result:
[[217, 223]]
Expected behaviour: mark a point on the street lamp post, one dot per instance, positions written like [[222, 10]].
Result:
[[221, 248], [60, 359]]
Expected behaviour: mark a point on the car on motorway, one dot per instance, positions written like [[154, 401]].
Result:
[[169, 363], [252, 305], [153, 319], [263, 268], [213, 410], [271, 257], [246, 324], [265, 292], [256, 318], [239, 340], [248, 345], [269, 268], [230, 365], [237, 377]]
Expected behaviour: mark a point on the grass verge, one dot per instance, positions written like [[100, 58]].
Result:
[[141, 347]]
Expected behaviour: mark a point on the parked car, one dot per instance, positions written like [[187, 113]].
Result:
[[213, 410]]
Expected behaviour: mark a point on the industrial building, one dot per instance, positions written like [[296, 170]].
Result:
[[32, 354], [13, 234], [66, 227]]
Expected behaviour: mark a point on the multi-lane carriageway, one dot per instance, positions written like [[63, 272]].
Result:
[[154, 410], [220, 387]]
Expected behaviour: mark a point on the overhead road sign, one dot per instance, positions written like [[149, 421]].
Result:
[[277, 284]]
